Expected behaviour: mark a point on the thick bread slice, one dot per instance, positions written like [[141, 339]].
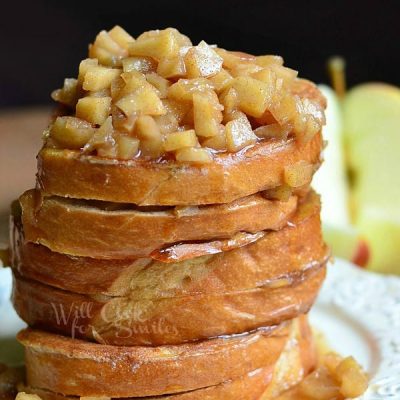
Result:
[[230, 176], [73, 367], [80, 228], [296, 360], [133, 321], [294, 248]]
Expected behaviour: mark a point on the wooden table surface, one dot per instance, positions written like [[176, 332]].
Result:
[[20, 139]]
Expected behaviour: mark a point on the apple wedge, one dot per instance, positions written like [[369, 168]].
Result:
[[372, 137]]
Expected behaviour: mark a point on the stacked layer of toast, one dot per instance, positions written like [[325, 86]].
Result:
[[147, 278]]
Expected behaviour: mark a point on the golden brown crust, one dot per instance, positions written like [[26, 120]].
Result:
[[296, 247], [131, 321], [295, 361], [230, 176], [72, 367], [248, 387], [81, 229]]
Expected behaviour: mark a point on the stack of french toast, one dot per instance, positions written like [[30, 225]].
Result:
[[172, 246]]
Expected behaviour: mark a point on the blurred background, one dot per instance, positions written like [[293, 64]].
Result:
[[43, 42]]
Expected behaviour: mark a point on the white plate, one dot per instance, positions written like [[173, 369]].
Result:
[[358, 311]]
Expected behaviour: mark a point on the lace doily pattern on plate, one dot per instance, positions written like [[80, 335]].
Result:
[[373, 300]]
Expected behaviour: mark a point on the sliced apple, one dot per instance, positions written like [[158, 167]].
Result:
[[372, 137]]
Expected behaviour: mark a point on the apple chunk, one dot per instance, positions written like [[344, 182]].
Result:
[[207, 113], [94, 109], [254, 95]]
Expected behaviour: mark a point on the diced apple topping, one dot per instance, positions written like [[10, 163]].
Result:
[[68, 95], [194, 155], [202, 61], [178, 140], [140, 64], [207, 113], [98, 77], [298, 174], [161, 95], [71, 132], [93, 109], [239, 134]]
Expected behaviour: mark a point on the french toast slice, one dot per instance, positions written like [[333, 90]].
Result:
[[74, 367], [297, 359], [294, 248], [81, 228], [228, 177], [131, 320]]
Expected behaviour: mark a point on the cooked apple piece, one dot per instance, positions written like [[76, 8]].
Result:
[[121, 36], [207, 113], [319, 385], [254, 95], [309, 118], [71, 132], [275, 130], [171, 67], [281, 193], [239, 134], [105, 57], [245, 69], [217, 142], [148, 131], [162, 44], [298, 174], [181, 39], [193, 155], [131, 81], [121, 122], [178, 140], [221, 81], [69, 93], [230, 101], [26, 396], [176, 108], [116, 87], [106, 42], [107, 50], [202, 61], [98, 77], [266, 61], [141, 64], [127, 147], [233, 58], [94, 109], [102, 138], [284, 109], [84, 67], [287, 74], [353, 380], [160, 83], [143, 100], [167, 123], [183, 89]]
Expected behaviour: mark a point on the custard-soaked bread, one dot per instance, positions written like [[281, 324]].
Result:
[[230, 176], [131, 321], [269, 261], [112, 231], [63, 365], [297, 358]]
